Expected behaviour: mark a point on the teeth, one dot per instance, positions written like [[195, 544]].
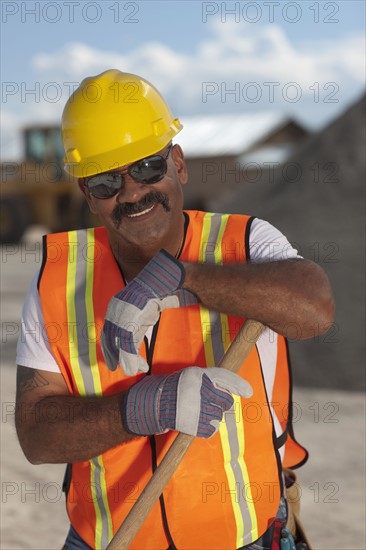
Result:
[[141, 213]]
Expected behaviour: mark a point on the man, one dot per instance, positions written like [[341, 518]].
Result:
[[133, 313]]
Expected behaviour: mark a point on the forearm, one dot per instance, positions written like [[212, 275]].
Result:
[[278, 294], [63, 428]]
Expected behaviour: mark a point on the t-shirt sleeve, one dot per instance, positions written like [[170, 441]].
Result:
[[268, 244], [33, 348]]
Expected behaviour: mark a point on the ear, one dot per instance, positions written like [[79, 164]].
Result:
[[87, 195], [180, 164]]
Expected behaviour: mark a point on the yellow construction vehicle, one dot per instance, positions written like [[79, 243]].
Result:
[[38, 190]]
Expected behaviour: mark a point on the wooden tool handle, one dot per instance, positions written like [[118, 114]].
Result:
[[232, 360]]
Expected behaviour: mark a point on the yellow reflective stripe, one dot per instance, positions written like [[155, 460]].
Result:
[[218, 261], [71, 312], [233, 488], [247, 488], [204, 312], [206, 227], [103, 487], [218, 247], [225, 331], [91, 328]]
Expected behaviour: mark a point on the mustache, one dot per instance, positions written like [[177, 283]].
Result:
[[128, 208]]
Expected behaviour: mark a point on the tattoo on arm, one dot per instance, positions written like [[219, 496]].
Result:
[[29, 379]]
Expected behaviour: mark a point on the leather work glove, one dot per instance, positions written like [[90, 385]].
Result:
[[137, 307], [192, 400]]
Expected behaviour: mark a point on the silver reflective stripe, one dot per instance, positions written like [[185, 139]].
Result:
[[80, 311], [209, 256], [216, 336], [211, 245]]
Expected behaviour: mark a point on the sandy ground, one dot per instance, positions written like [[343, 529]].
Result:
[[330, 423]]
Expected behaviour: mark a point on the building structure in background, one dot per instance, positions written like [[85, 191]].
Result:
[[224, 152]]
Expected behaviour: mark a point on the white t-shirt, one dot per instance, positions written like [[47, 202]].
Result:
[[266, 244]]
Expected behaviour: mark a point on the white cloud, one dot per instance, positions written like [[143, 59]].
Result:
[[76, 60], [233, 52], [232, 56], [266, 53]]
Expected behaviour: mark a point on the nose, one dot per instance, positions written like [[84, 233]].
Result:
[[131, 191]]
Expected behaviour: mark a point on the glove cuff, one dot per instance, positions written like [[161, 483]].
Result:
[[122, 409], [178, 264], [163, 275], [140, 405]]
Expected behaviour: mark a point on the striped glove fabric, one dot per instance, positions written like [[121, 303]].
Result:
[[192, 400], [137, 307]]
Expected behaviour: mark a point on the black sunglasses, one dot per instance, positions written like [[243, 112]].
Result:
[[148, 170]]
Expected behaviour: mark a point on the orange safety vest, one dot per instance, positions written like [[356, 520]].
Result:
[[226, 492]]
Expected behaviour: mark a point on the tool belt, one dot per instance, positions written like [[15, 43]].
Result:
[[294, 524]]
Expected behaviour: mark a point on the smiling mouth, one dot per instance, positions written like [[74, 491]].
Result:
[[141, 213], [142, 208]]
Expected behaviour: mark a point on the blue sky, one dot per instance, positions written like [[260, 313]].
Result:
[[304, 58]]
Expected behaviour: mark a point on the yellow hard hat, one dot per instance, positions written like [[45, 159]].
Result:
[[114, 119]]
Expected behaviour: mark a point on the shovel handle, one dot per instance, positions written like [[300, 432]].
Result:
[[232, 360]]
